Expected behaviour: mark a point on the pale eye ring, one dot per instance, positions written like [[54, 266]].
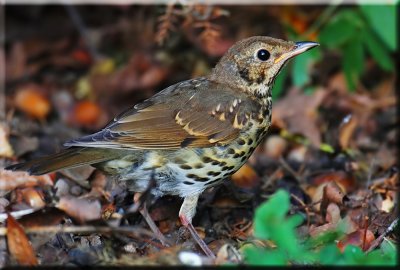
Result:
[[263, 55]]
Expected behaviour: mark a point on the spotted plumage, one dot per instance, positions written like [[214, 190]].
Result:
[[191, 135]]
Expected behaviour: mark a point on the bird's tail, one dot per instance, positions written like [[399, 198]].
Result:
[[67, 158]]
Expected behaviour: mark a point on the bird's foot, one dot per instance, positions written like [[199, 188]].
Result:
[[185, 222]]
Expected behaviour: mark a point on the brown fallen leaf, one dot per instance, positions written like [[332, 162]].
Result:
[[80, 209], [16, 62], [33, 197], [332, 218], [333, 213], [10, 180], [344, 179], [5, 147], [18, 243], [298, 112], [360, 238], [346, 130], [30, 100], [245, 177], [44, 217], [317, 230], [275, 146], [331, 194], [86, 113]]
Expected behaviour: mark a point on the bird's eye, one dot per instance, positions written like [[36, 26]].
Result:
[[263, 55]]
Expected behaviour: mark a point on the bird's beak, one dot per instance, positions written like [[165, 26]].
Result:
[[298, 48]]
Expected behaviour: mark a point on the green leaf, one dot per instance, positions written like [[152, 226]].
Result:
[[326, 148], [383, 20], [256, 256], [277, 89], [329, 255], [301, 67], [378, 51], [271, 223], [353, 61], [340, 29], [271, 214]]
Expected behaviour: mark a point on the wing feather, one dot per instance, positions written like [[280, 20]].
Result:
[[170, 121]]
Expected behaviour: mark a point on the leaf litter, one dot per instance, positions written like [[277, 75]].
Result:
[[332, 150]]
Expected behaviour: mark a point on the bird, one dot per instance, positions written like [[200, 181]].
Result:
[[190, 136]]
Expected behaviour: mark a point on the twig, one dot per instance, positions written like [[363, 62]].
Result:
[[17, 214], [270, 179], [132, 230], [370, 172], [287, 167], [80, 25], [305, 207], [379, 240], [366, 223]]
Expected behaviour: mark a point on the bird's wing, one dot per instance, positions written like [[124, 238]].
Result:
[[182, 115]]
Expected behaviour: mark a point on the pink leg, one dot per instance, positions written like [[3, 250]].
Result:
[[186, 213], [146, 215]]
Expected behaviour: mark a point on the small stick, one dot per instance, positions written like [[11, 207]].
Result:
[[133, 230], [305, 207], [286, 166], [379, 240], [366, 219]]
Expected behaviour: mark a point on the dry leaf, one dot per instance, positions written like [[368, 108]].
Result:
[[5, 147], [360, 238], [346, 130], [44, 217], [346, 181], [317, 230], [18, 243], [31, 101], [80, 209], [245, 177], [86, 113], [10, 180], [333, 213], [227, 254], [16, 63], [299, 113], [33, 197], [275, 146]]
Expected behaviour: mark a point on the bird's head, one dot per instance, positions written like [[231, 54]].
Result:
[[252, 64]]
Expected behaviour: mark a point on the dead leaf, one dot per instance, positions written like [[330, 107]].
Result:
[[360, 238], [227, 254], [10, 180], [33, 197], [299, 113], [331, 193], [80, 209], [18, 243], [275, 146], [317, 230], [86, 113], [5, 147], [345, 180], [16, 62], [346, 130], [333, 213], [245, 177], [44, 217], [30, 100]]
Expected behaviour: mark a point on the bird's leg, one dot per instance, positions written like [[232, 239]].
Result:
[[186, 213], [146, 215]]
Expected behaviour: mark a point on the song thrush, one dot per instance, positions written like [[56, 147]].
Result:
[[191, 135]]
